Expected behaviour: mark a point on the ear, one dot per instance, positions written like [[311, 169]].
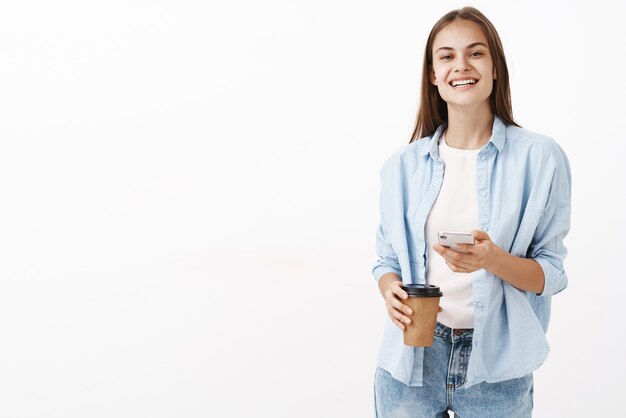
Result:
[[431, 75], [495, 76]]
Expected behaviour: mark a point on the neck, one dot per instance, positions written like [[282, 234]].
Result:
[[469, 129]]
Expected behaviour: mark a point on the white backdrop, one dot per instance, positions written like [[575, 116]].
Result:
[[189, 197]]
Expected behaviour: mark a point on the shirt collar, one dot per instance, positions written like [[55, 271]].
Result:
[[498, 136]]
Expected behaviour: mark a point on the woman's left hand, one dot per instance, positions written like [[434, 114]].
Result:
[[467, 258]]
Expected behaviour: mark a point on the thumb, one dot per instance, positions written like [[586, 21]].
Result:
[[480, 235]]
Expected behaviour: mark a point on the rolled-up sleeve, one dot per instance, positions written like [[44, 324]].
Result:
[[387, 257], [547, 247]]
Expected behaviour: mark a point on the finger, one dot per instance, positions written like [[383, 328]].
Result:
[[480, 235], [400, 307], [454, 255], [396, 315], [468, 248], [398, 323], [392, 297], [444, 251], [397, 290], [403, 319], [392, 291], [456, 268], [462, 260], [397, 308], [463, 264], [456, 264], [393, 303]]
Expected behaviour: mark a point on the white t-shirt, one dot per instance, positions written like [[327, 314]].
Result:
[[455, 209]]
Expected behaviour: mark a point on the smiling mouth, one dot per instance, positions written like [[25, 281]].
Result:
[[469, 82]]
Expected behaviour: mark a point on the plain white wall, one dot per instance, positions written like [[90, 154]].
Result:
[[189, 197]]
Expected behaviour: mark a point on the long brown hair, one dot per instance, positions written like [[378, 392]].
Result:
[[433, 110]]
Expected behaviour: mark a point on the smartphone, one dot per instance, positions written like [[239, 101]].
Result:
[[448, 239]]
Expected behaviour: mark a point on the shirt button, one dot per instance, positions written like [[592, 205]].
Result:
[[479, 304], [484, 194], [485, 227], [482, 157]]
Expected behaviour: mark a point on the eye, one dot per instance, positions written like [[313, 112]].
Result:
[[445, 56], [476, 52]]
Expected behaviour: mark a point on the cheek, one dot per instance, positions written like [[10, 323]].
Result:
[[488, 85], [439, 73]]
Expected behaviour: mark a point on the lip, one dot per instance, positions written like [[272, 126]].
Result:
[[463, 78], [467, 87]]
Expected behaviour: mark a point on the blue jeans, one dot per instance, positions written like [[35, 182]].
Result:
[[445, 366]]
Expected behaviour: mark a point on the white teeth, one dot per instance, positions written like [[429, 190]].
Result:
[[462, 82]]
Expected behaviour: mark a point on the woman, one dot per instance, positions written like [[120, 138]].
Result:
[[474, 169]]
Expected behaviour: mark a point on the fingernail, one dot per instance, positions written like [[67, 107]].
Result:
[[409, 311]]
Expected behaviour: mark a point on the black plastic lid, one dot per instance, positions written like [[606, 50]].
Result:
[[422, 290]]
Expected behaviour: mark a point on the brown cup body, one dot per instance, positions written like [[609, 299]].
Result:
[[421, 331]]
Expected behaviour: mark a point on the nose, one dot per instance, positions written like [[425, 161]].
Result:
[[462, 64]]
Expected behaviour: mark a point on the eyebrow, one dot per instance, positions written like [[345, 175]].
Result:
[[468, 47]]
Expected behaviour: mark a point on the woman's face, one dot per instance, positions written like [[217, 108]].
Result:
[[461, 52]]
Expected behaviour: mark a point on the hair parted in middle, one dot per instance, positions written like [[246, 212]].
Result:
[[433, 110]]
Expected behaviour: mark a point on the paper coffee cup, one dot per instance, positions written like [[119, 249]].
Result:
[[424, 300]]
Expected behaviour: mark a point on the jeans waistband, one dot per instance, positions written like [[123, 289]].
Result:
[[448, 333]]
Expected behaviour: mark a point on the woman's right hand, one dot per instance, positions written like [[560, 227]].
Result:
[[398, 311]]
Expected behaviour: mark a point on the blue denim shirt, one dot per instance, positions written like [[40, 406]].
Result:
[[524, 201]]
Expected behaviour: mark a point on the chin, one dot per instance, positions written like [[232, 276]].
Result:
[[465, 101]]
